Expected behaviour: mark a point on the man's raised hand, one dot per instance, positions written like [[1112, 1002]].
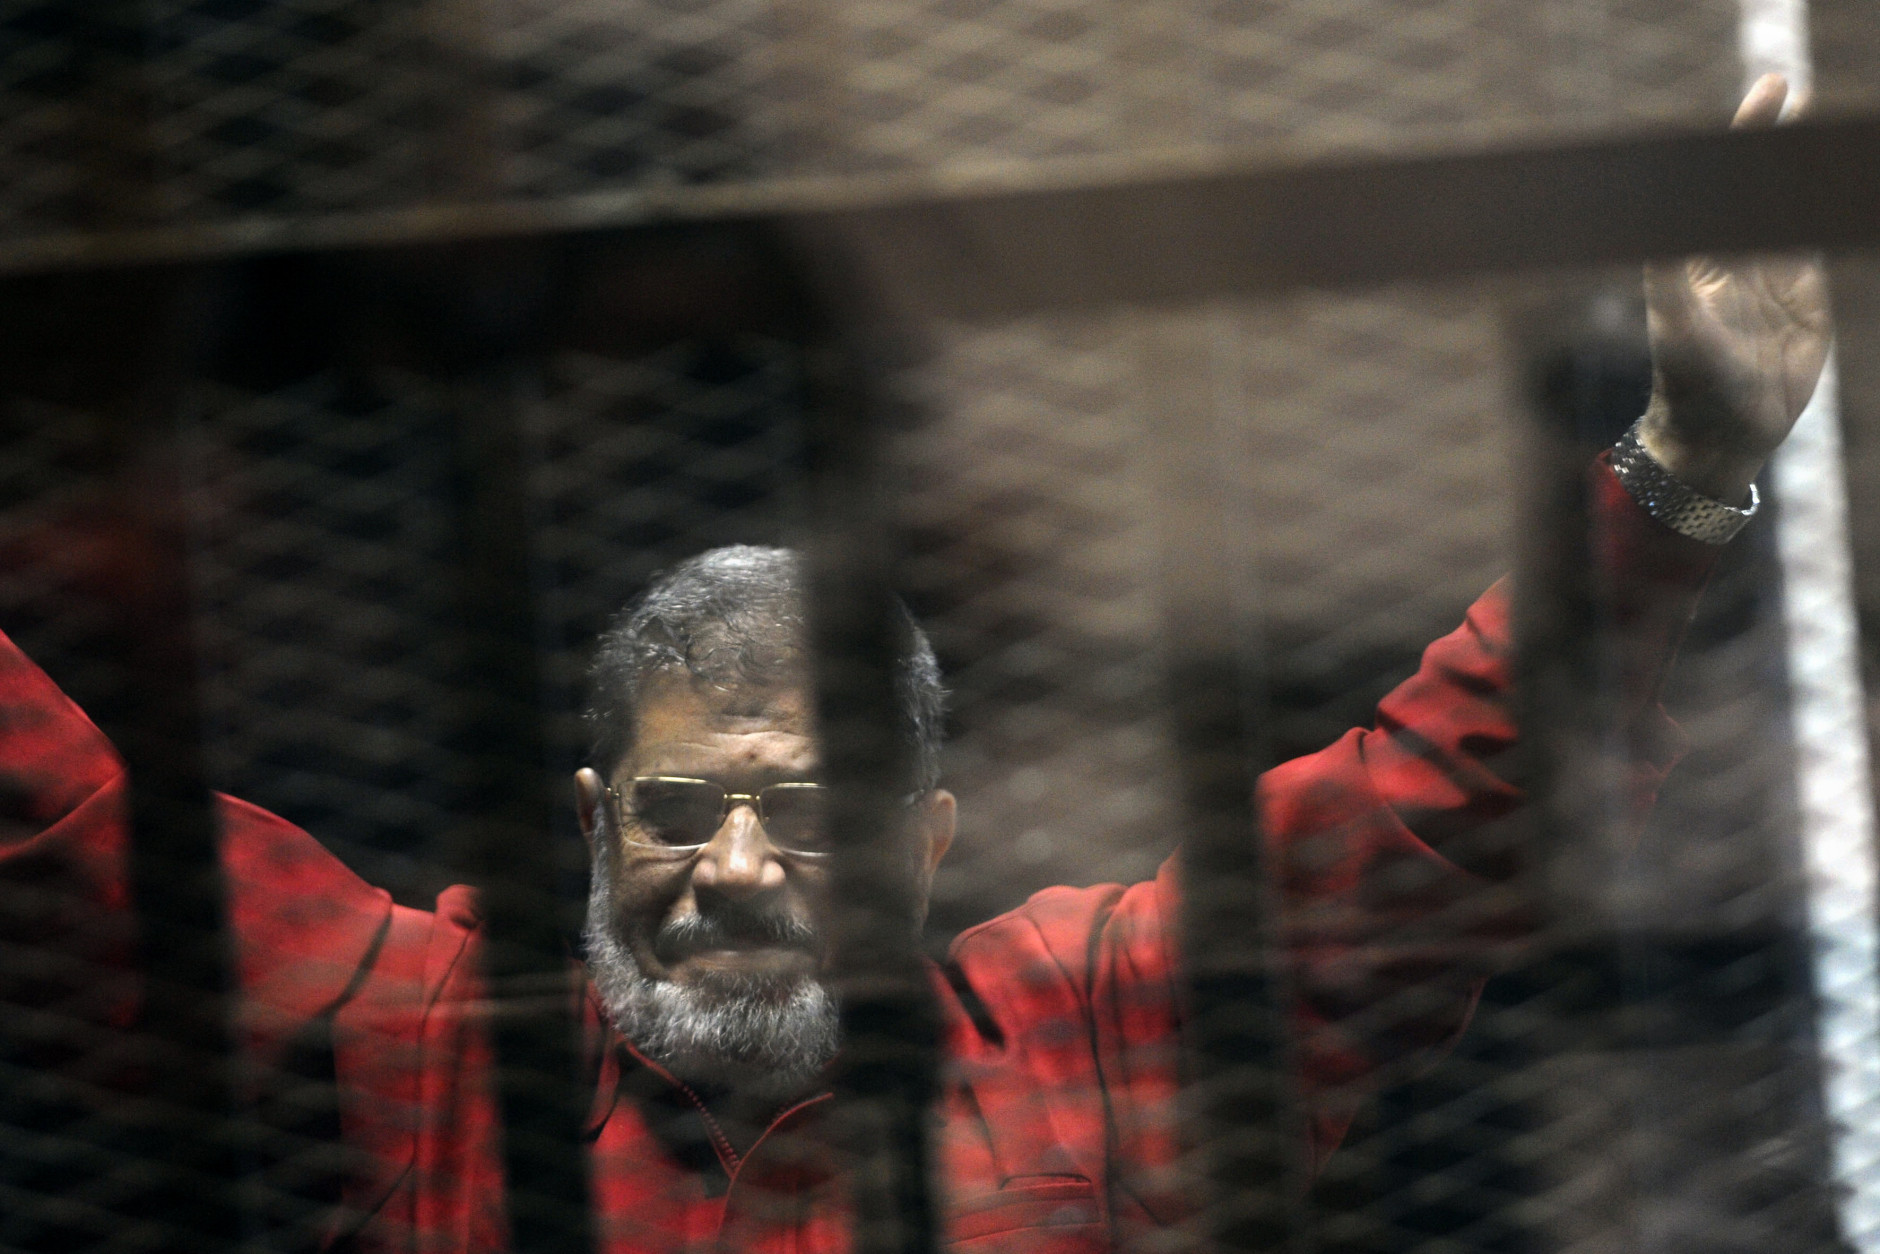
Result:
[[1737, 349]]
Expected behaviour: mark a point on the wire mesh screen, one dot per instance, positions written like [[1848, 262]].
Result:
[[338, 533], [296, 109], [326, 520], [1666, 1006], [329, 515], [1647, 1065], [1033, 515], [1031, 546]]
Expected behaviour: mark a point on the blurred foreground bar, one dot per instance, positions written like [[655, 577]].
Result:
[[888, 1071], [1083, 232], [1241, 1105], [533, 986]]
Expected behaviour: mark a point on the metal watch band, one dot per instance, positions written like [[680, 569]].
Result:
[[1672, 501]]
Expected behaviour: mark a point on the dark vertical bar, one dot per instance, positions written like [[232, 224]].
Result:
[[1565, 705], [1241, 1102], [530, 976], [1566, 688], [184, 1139], [187, 1141], [1565, 1010], [888, 1073], [175, 869]]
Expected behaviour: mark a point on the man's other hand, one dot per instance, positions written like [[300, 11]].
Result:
[[1737, 348]]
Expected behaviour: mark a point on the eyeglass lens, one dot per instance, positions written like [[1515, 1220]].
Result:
[[684, 812]]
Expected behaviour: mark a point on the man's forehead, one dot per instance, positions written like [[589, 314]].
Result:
[[679, 708]]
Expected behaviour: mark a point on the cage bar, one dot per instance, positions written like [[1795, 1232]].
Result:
[[175, 873], [889, 1068], [1242, 1106], [533, 990], [1157, 229]]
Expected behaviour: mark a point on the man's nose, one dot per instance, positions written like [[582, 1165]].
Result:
[[740, 857]]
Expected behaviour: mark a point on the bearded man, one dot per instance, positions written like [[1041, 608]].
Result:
[[703, 808]]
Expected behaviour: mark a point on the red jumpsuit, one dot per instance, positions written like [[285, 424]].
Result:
[[1057, 1123]]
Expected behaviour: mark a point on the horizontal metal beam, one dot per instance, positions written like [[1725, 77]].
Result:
[[1177, 225], [1372, 222]]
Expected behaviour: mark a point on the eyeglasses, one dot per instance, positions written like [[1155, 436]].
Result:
[[676, 815]]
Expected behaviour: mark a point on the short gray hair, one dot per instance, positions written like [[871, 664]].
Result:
[[735, 615]]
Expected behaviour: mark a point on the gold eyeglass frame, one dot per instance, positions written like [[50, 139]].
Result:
[[755, 800]]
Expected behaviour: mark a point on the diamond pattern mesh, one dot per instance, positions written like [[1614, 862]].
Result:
[[937, 82], [327, 538], [298, 107], [645, 461], [600, 94], [1647, 1070], [1031, 556], [1419, 387], [38, 125], [1646, 1074]]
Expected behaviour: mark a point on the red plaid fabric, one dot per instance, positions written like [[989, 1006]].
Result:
[[1062, 1026]]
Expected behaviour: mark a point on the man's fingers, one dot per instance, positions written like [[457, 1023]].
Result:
[[1762, 104]]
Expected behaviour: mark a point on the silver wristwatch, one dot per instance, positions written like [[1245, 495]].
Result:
[[1672, 501]]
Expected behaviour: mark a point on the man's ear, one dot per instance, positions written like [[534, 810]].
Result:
[[933, 834], [939, 812], [588, 789]]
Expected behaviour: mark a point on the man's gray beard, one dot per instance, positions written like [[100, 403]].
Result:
[[769, 1039]]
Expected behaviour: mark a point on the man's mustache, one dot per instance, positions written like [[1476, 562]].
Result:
[[730, 926]]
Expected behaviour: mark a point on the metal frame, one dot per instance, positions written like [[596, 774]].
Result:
[[1174, 226], [1002, 243]]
